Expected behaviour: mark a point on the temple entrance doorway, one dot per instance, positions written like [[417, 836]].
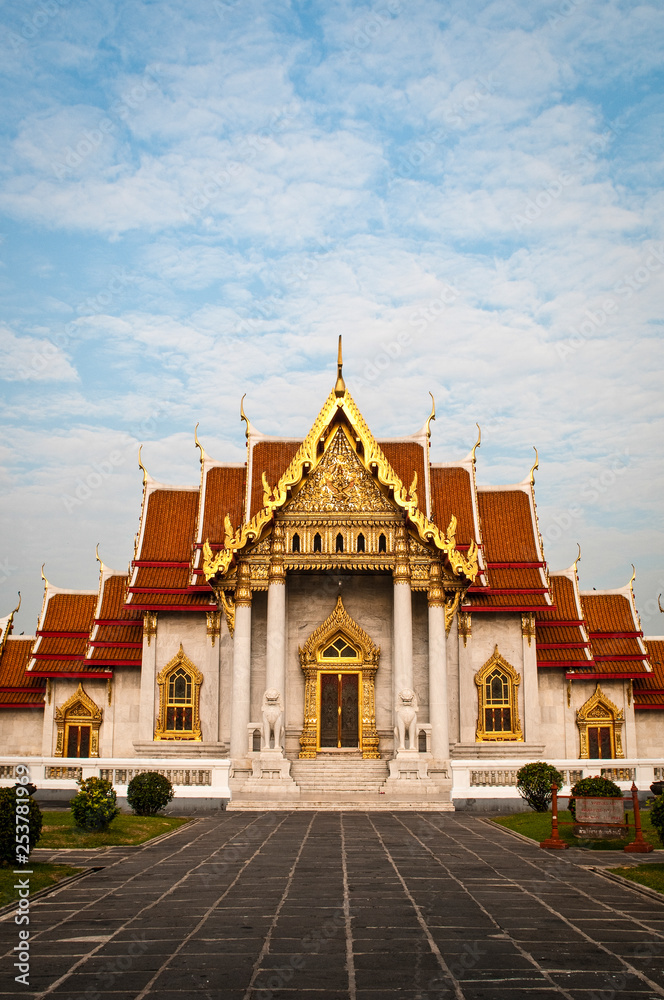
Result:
[[339, 711]]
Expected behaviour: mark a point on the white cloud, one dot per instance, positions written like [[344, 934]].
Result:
[[29, 359]]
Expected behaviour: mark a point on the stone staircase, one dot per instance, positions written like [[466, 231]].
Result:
[[335, 783]]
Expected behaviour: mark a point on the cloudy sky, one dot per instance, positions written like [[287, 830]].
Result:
[[197, 198]]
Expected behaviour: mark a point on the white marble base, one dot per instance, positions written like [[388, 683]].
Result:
[[270, 776], [417, 775]]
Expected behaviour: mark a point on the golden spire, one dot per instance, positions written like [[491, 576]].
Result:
[[477, 443], [243, 416], [340, 387], [432, 416], [535, 466]]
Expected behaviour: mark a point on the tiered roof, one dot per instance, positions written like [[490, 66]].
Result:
[[562, 634], [616, 638], [116, 638], [649, 690], [62, 635], [17, 688]]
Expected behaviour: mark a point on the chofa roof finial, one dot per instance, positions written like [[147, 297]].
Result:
[[535, 466], [340, 387]]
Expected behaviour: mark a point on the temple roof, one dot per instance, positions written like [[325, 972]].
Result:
[[562, 636], [116, 638], [649, 689], [616, 639], [17, 687], [63, 632]]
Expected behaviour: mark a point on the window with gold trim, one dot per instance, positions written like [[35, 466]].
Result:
[[600, 725], [179, 690], [498, 702]]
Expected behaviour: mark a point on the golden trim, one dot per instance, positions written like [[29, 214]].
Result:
[[149, 625], [514, 679], [306, 459], [228, 607], [213, 625], [243, 586], [451, 607], [179, 660], [528, 626], [365, 663], [78, 710], [598, 710], [435, 592], [465, 626], [276, 571]]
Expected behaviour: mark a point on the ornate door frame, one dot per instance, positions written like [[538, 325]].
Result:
[[363, 661]]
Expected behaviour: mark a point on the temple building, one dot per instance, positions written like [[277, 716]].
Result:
[[337, 621]]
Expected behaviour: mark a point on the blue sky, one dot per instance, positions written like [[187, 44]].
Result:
[[196, 199]]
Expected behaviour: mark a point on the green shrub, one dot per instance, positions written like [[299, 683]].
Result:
[[534, 783], [657, 816], [148, 793], [17, 807], [595, 787], [95, 805]]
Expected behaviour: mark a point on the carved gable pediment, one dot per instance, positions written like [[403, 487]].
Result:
[[340, 485]]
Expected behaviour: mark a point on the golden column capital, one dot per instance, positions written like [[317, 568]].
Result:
[[243, 586], [277, 572], [401, 572], [435, 593]]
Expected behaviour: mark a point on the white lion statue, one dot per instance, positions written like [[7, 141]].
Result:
[[406, 712], [273, 718]]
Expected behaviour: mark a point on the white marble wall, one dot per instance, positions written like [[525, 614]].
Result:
[[553, 712], [125, 695], [22, 730], [650, 733], [421, 652]]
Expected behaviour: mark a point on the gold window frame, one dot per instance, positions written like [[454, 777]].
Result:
[[180, 660], [79, 710], [599, 711], [482, 735]]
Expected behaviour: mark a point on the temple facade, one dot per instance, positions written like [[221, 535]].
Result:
[[337, 621]]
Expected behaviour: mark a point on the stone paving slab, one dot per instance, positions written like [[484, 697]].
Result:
[[342, 906]]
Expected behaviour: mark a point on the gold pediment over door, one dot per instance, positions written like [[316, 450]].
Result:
[[340, 485]]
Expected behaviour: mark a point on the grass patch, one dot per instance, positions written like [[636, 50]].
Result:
[[650, 875], [537, 826], [59, 830], [42, 876]]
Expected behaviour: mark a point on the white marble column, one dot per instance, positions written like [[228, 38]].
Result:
[[241, 682], [403, 619], [531, 723], [148, 696], [275, 660], [468, 700], [438, 707]]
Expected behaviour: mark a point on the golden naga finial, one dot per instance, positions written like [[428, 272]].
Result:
[[578, 557], [478, 442], [42, 574], [229, 532], [243, 416], [432, 415], [412, 492], [535, 466], [146, 474], [659, 601], [267, 490], [97, 556], [11, 617], [340, 387], [198, 443], [633, 577]]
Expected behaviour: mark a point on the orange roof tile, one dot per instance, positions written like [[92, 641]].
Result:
[[170, 521], [407, 458], [452, 493], [108, 642], [562, 644], [646, 686], [224, 494], [608, 612], [14, 663], [507, 526], [71, 614], [271, 458]]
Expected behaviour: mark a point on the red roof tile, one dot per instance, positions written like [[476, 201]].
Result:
[[272, 458], [649, 690], [170, 521], [71, 614], [224, 494], [407, 458], [614, 655], [452, 493]]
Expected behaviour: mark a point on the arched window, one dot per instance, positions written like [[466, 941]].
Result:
[[179, 685], [78, 722], [382, 543], [317, 542], [296, 542], [498, 711], [340, 542], [360, 542], [600, 725]]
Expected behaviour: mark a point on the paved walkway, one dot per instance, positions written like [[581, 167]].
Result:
[[343, 906]]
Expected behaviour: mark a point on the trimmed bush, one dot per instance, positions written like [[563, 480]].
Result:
[[17, 807], [94, 808], [657, 816], [148, 793], [595, 787], [534, 783]]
